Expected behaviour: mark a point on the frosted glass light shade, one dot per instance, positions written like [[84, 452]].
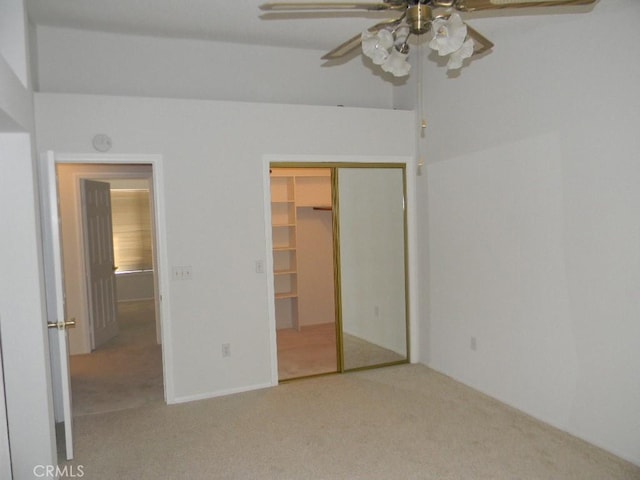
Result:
[[376, 45], [448, 34], [397, 64], [456, 58]]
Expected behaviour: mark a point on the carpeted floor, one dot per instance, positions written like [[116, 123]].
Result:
[[401, 422], [126, 372]]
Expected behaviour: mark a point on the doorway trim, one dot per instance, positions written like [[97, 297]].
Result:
[[161, 258], [412, 261]]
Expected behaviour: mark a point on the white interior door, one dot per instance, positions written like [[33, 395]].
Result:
[[98, 241], [56, 314]]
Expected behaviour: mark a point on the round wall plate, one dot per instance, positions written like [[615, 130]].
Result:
[[102, 142]]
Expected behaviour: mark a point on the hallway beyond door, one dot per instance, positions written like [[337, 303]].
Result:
[[126, 372]]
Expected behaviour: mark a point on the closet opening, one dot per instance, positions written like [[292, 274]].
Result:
[[303, 271], [339, 242]]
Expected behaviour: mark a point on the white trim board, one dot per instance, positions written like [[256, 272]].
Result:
[[222, 393]]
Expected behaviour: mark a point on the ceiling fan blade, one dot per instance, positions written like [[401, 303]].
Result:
[[331, 6], [477, 5], [344, 48], [481, 43], [354, 42]]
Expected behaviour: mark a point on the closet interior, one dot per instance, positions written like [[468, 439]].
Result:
[[303, 271]]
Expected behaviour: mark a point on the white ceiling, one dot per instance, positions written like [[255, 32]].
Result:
[[235, 21]]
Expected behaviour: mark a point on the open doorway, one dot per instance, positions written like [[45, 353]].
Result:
[[121, 368], [303, 260]]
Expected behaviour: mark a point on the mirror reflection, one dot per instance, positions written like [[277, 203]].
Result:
[[372, 266]]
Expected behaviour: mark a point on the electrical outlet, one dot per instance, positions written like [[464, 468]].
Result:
[[226, 350], [376, 310], [259, 266], [473, 344]]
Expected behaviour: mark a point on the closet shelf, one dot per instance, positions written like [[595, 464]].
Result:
[[279, 296], [292, 191], [284, 272]]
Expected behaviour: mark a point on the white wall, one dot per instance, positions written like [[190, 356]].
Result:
[[16, 108], [26, 376], [533, 240], [132, 286], [13, 47], [215, 207], [74, 61]]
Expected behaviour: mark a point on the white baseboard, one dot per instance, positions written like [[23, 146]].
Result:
[[220, 393], [128, 300]]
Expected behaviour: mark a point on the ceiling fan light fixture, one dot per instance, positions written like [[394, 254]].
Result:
[[448, 34], [397, 64], [419, 18], [376, 45], [401, 35], [386, 42], [456, 58]]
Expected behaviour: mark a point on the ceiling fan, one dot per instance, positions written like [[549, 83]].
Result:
[[386, 42]]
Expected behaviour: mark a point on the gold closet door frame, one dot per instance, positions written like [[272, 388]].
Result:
[[335, 210], [338, 267]]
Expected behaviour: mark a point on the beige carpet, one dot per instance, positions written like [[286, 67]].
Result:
[[126, 372], [402, 422]]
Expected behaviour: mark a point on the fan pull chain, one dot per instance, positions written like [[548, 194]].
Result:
[[420, 108]]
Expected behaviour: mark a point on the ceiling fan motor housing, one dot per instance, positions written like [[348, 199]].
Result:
[[419, 18]]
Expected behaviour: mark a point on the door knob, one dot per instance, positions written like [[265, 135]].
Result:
[[61, 325]]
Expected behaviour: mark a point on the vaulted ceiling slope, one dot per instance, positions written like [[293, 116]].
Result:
[[234, 21], [237, 21]]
